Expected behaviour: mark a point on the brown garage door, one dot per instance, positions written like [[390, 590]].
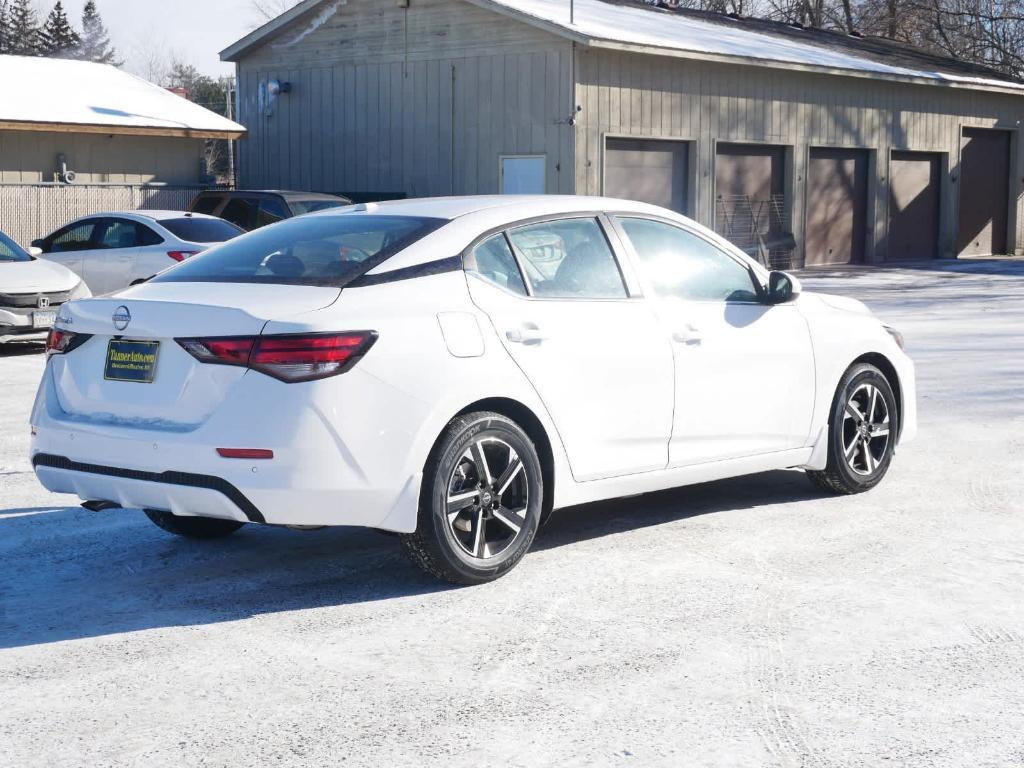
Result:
[[914, 184], [749, 201], [647, 170], [837, 203], [984, 192]]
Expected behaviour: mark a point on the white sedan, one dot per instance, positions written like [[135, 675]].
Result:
[[31, 292], [454, 369], [111, 251]]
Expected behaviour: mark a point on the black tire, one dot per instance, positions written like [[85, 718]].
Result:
[[193, 527], [468, 534], [871, 438]]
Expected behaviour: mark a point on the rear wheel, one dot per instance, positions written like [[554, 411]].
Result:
[[480, 504], [863, 426], [193, 527]]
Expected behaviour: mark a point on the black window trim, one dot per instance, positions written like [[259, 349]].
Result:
[[614, 245], [627, 243]]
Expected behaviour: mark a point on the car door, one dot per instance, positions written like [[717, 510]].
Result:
[[111, 265], [68, 245], [744, 370], [594, 353], [152, 253]]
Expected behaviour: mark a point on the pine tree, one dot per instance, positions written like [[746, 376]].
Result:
[[4, 27], [95, 40], [23, 29], [59, 38]]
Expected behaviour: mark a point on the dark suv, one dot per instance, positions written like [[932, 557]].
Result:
[[252, 209]]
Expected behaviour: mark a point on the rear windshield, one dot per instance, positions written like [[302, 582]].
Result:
[[300, 207], [11, 251], [316, 250], [201, 230]]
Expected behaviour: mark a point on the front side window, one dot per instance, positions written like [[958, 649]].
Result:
[[494, 260], [206, 204], [241, 211], [570, 258], [74, 237], [679, 264], [271, 211], [320, 250]]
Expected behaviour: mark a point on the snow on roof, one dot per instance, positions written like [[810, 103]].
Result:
[[646, 27], [63, 93]]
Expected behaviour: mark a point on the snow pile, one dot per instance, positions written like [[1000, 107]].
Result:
[[632, 25], [41, 90]]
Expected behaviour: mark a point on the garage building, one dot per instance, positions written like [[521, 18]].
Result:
[[802, 146]]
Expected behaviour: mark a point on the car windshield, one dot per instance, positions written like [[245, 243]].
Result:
[[317, 250], [196, 230], [11, 251], [300, 207]]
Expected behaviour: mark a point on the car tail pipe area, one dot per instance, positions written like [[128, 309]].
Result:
[[100, 506]]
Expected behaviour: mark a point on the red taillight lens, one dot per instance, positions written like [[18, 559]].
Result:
[[245, 453], [59, 342], [289, 358], [181, 255]]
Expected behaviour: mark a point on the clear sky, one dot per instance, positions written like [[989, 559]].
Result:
[[148, 31]]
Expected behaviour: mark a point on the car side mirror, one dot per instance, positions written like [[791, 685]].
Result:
[[782, 287], [35, 251]]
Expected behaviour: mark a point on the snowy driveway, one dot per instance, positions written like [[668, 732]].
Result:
[[744, 622]]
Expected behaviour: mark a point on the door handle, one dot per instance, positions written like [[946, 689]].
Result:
[[688, 335], [527, 333]]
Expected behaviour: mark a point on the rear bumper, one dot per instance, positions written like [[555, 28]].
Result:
[[182, 493], [331, 465]]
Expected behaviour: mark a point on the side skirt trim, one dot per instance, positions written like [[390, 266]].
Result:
[[170, 477]]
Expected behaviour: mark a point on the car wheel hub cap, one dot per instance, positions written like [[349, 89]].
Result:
[[865, 430], [487, 498]]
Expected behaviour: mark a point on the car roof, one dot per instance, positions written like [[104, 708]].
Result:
[[517, 206], [285, 193], [152, 214]]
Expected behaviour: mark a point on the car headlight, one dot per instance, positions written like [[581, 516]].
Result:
[[80, 291], [896, 335]]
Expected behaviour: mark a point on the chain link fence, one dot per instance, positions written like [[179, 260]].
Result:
[[31, 211]]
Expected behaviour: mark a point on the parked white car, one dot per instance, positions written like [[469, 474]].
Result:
[[111, 251], [454, 369], [31, 292]]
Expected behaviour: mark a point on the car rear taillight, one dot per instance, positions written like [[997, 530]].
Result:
[[290, 358], [60, 342], [181, 255]]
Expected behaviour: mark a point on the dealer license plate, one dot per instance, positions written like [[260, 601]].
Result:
[[131, 360]]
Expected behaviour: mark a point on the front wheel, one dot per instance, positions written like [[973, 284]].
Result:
[[863, 427], [480, 503], [193, 527]]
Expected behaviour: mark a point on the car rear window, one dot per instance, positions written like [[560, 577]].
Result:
[[201, 230], [206, 203], [318, 250], [300, 207]]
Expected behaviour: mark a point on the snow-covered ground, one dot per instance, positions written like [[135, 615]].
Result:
[[746, 622]]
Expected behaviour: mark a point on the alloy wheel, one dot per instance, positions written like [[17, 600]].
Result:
[[865, 429], [487, 498]]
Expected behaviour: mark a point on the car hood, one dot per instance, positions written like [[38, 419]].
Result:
[[839, 302], [36, 276]]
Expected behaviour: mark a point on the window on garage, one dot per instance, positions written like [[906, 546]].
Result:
[[648, 170]]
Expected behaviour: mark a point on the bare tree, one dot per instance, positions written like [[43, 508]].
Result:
[[265, 10]]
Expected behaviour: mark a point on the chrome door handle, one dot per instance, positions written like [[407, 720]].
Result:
[[688, 335], [528, 333]]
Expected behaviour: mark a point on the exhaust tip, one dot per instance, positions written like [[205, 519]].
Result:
[[100, 506]]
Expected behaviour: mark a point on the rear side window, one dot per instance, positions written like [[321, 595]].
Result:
[[320, 250], [206, 204], [241, 211], [568, 259], [300, 207], [494, 260], [201, 230]]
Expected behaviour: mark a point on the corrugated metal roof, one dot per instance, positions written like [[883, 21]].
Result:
[[60, 94]]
